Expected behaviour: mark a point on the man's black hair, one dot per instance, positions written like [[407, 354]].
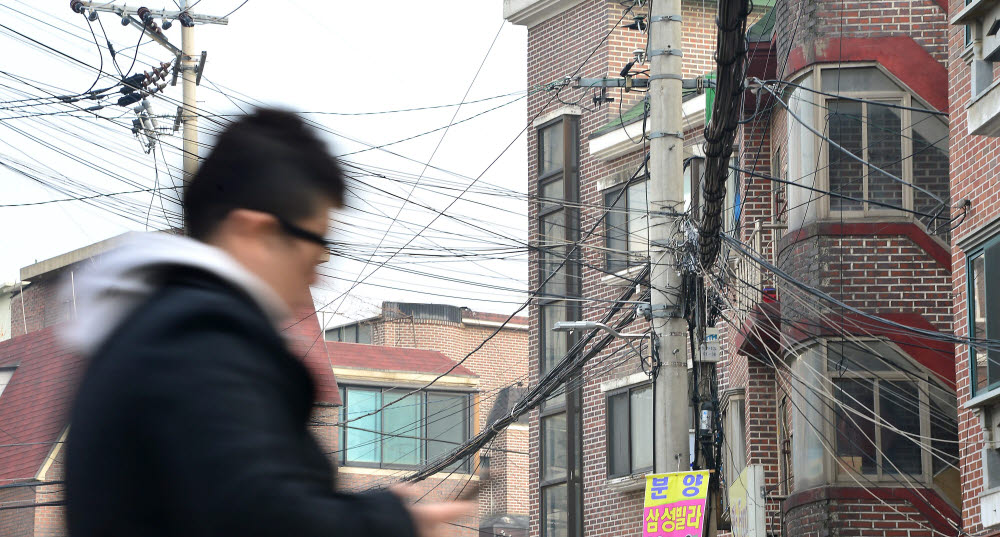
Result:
[[269, 161]]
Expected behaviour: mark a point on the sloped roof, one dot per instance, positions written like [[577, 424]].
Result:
[[305, 340], [379, 358], [34, 408], [763, 29]]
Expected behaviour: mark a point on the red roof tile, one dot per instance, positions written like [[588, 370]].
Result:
[[34, 408], [380, 358]]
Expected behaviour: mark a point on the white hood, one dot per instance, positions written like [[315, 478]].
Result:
[[115, 284]]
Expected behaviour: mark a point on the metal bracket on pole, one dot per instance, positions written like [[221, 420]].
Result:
[[612, 82], [667, 52], [672, 311], [666, 76], [200, 68], [177, 118], [665, 18], [158, 13], [177, 69], [665, 134]]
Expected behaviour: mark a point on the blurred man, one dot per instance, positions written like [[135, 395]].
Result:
[[191, 419]]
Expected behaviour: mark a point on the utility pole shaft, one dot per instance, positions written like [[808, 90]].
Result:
[[671, 414], [189, 119]]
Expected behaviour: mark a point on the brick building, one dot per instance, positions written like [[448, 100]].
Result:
[[591, 442], [829, 406], [975, 256], [38, 376], [405, 347]]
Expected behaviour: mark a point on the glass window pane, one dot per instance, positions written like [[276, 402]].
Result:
[[341, 418], [899, 407], [616, 231], [554, 344], [447, 424], [641, 406], [855, 428], [333, 334], [351, 333], [554, 250], [930, 169], [944, 429], [856, 79], [984, 369], [363, 438], [365, 333], [554, 447], [638, 218], [846, 174], [554, 512], [618, 458], [552, 193], [402, 418], [866, 356], [885, 150], [550, 149]]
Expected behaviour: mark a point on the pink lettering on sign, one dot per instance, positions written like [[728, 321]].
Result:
[[678, 519]]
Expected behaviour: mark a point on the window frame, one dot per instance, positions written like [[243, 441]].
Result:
[[922, 377], [906, 147], [971, 255], [818, 165], [422, 436], [627, 390], [628, 256], [570, 403]]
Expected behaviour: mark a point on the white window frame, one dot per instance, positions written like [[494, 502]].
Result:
[[922, 376], [820, 104]]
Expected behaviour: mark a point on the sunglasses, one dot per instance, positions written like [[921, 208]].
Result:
[[304, 234]]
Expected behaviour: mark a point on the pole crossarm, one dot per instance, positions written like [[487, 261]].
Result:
[[158, 13]]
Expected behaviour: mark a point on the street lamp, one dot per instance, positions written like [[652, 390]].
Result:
[[569, 326]]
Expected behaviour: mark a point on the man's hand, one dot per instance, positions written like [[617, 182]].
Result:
[[429, 517]]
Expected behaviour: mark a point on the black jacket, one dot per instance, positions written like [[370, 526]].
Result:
[[191, 421]]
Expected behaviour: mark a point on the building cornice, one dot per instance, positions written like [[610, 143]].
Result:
[[532, 12]]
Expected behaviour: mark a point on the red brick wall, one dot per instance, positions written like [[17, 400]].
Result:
[[42, 305], [973, 161], [17, 522], [50, 521], [801, 24]]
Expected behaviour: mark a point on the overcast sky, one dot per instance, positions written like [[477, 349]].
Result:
[[310, 56]]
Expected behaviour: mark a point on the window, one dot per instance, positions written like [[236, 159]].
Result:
[[5, 375], [352, 333], [983, 292], [734, 437], [908, 146], [786, 476], [416, 429], [626, 226], [560, 446], [630, 431], [884, 414]]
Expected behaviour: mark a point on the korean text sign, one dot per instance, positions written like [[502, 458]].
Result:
[[674, 505]]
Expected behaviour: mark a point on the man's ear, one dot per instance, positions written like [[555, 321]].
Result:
[[246, 223]]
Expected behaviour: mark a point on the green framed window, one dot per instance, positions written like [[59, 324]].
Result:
[[983, 300], [415, 429]]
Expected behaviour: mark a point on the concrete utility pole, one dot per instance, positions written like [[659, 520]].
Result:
[[189, 116], [666, 198], [187, 63]]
